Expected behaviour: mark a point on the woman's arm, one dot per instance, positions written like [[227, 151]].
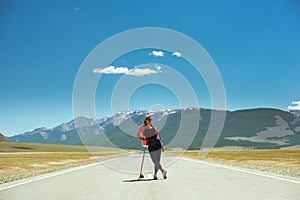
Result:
[[139, 133], [158, 136]]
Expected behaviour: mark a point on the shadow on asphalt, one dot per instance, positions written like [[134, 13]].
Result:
[[140, 180]]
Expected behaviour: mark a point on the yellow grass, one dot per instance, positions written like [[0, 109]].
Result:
[[35, 147], [20, 160], [278, 156], [286, 162]]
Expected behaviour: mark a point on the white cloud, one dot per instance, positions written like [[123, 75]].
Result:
[[126, 71], [141, 72], [111, 70], [177, 54], [157, 67], [296, 105], [157, 54]]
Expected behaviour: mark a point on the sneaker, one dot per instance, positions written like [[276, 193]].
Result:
[[165, 174], [155, 176]]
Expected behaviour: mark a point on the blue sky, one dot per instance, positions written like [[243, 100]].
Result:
[[255, 45]]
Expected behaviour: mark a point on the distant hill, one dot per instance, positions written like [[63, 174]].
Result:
[[3, 138], [6, 147], [261, 128], [295, 112]]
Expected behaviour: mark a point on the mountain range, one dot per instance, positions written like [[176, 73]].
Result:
[[261, 128], [295, 112], [3, 138]]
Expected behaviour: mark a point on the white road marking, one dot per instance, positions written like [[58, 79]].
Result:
[[55, 174], [103, 162], [242, 170]]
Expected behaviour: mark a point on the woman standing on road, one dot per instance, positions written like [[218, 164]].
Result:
[[149, 133]]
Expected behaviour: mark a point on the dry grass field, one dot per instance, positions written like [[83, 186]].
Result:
[[20, 160], [281, 161]]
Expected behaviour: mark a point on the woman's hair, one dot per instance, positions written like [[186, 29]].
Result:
[[147, 118]]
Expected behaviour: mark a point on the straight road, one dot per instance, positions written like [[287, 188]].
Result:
[[187, 179]]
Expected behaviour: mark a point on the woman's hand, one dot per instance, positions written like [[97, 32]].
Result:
[[163, 148]]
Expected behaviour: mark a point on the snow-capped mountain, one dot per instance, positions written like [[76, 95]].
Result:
[[59, 134], [44, 135], [253, 128], [295, 112]]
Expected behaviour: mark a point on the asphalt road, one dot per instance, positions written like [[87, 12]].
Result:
[[187, 179]]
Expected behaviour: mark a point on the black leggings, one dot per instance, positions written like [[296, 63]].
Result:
[[154, 147]]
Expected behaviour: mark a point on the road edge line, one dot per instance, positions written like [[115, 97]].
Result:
[[53, 174], [242, 170]]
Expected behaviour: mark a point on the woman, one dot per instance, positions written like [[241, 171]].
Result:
[[149, 133]]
